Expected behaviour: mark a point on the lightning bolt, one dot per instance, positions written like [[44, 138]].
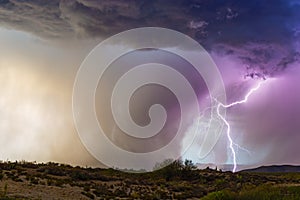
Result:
[[231, 143]]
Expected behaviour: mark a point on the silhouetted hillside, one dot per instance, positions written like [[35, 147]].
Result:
[[275, 168], [179, 180]]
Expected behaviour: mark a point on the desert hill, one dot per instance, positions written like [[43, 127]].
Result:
[[25, 180]]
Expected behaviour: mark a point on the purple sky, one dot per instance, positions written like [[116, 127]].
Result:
[[43, 43]]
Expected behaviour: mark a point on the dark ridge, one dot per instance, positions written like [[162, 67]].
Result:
[[274, 169]]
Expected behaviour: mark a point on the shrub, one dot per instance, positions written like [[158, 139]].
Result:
[[89, 195], [271, 192], [220, 195]]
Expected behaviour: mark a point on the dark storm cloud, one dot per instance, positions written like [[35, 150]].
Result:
[[259, 33], [42, 19]]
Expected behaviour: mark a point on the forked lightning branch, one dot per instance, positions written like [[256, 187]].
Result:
[[228, 134]]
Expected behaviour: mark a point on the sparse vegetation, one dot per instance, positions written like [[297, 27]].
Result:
[[177, 180]]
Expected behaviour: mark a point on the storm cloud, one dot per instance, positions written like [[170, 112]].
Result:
[[256, 39], [258, 33]]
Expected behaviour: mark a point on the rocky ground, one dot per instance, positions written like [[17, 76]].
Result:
[[23, 180]]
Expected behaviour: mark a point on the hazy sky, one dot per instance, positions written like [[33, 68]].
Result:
[[42, 44]]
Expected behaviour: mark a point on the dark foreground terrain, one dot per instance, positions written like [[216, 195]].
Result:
[[23, 180]]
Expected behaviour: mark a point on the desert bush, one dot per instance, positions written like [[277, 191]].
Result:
[[120, 193], [271, 192], [89, 195], [59, 182], [3, 193], [86, 188], [53, 170], [221, 195], [102, 190], [80, 175], [99, 177], [25, 164], [34, 180], [173, 170], [135, 195]]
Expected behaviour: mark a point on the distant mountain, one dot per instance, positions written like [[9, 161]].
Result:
[[275, 168], [223, 167]]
